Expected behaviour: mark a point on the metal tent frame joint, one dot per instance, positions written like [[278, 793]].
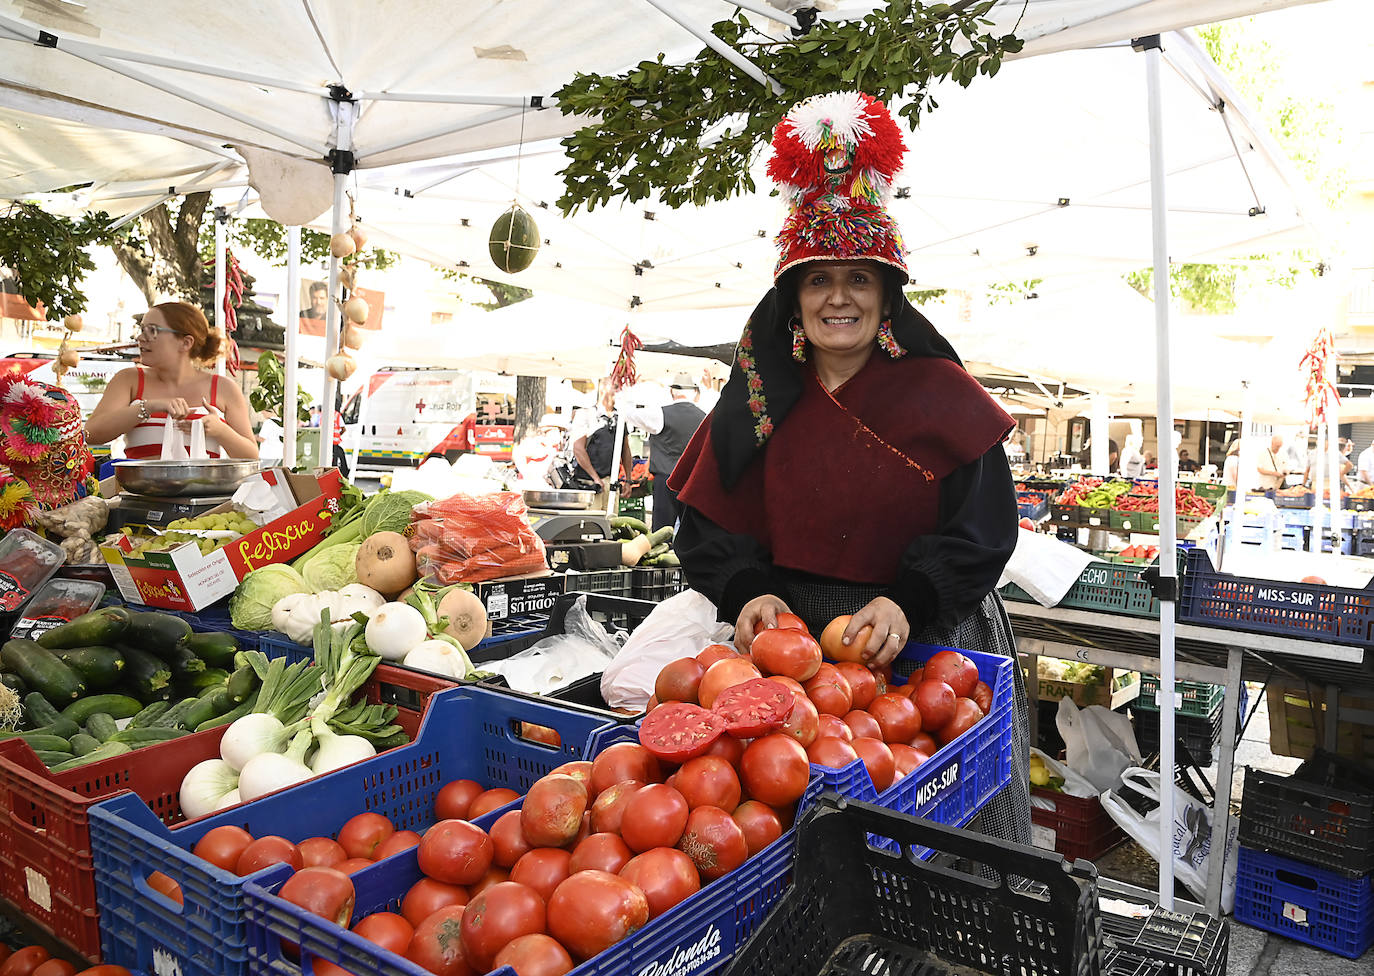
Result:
[[1150, 42], [1163, 587], [46, 39], [341, 162]]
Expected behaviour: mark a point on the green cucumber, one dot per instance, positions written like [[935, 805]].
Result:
[[42, 740], [174, 717], [83, 744], [102, 725], [43, 671], [107, 750], [146, 673], [148, 715], [99, 627], [242, 683], [237, 712], [63, 728], [208, 679], [661, 536], [657, 551], [160, 633], [184, 663], [100, 667], [52, 758], [214, 648], [39, 711], [628, 522], [205, 708], [14, 683], [145, 737], [116, 706]]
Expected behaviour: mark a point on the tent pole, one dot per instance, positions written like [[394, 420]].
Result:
[[1099, 431], [702, 33], [1168, 464], [292, 324], [342, 157], [221, 283], [612, 495]]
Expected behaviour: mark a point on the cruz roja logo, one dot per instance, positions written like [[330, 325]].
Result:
[[687, 958], [936, 786]]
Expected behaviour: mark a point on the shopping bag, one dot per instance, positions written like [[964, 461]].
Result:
[[1193, 840], [1098, 743], [173, 447], [680, 626], [1044, 567]]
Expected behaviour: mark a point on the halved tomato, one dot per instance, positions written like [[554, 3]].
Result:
[[753, 708], [678, 731]]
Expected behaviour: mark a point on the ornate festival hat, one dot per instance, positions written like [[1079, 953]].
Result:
[[43, 455], [834, 157]]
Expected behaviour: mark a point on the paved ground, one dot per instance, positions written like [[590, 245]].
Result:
[[1253, 952]]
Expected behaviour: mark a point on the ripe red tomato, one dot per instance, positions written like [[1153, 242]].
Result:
[[354, 864], [665, 875], [316, 852], [609, 807], [803, 721], [831, 751], [268, 850], [676, 732], [863, 683], [861, 723], [896, 716], [437, 944], [54, 967], [708, 781], [455, 852], [427, 896], [326, 892], [22, 962], [787, 652], [727, 747], [832, 640], [906, 757], [753, 708], [492, 919], [622, 761], [552, 812], [489, 800], [651, 704], [580, 770], [535, 955], [953, 669], [402, 840], [760, 824], [833, 725], [966, 716], [166, 887], [508, 840], [600, 852], [829, 691], [716, 652], [361, 834], [774, 769], [654, 817], [982, 697], [386, 929], [935, 699], [494, 876], [543, 869], [791, 684], [722, 675], [593, 910], [924, 742], [714, 842], [541, 734], [785, 621], [455, 799], [223, 846], [877, 757], [679, 680]]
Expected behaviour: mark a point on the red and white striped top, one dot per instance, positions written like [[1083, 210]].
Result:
[[144, 442]]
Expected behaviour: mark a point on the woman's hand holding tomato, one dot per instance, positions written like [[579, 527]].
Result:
[[760, 610]]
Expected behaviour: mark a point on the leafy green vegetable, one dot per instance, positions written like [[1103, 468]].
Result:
[[332, 568], [250, 608], [390, 511]]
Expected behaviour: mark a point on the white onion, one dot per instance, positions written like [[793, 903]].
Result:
[[268, 772], [395, 630], [205, 786], [249, 737], [340, 750]]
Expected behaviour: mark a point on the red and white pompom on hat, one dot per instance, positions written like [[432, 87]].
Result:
[[834, 158]]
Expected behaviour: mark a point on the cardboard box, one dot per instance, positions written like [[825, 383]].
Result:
[[183, 579], [515, 597], [1097, 693]]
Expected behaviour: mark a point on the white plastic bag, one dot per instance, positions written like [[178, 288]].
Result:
[[583, 648], [1074, 785], [1192, 832], [1098, 743], [1044, 567], [173, 449], [680, 626]]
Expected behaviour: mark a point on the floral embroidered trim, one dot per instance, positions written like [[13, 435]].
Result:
[[758, 403], [887, 342], [910, 462]]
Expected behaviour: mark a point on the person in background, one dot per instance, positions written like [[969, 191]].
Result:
[[175, 345], [1270, 467], [1364, 466], [340, 458], [537, 453], [670, 428], [594, 450], [319, 301], [1132, 460], [1185, 463], [314, 417], [1015, 446], [1230, 469]]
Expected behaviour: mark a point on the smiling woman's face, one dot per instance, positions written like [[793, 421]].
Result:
[[841, 304]]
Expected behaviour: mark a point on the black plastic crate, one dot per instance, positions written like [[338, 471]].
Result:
[[612, 582], [1323, 814], [856, 908], [656, 583], [1201, 736]]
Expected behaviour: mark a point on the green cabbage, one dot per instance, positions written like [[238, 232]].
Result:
[[332, 568], [250, 608], [390, 511]]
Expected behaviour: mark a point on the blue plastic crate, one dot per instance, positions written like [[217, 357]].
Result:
[[467, 733], [702, 933], [1315, 611], [1305, 903], [954, 784]]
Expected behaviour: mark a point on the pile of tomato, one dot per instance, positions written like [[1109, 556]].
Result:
[[35, 961], [782, 707]]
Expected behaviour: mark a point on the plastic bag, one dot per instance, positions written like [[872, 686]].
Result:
[[1192, 831], [584, 648], [680, 626], [172, 447], [1044, 567], [1074, 784], [472, 538], [1098, 743]]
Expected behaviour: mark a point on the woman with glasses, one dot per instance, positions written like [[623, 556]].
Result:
[[175, 346]]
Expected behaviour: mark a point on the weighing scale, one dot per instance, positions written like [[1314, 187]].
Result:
[[561, 525], [131, 509]]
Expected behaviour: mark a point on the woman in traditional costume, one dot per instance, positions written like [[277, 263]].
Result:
[[852, 465]]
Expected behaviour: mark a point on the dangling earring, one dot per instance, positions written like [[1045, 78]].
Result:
[[798, 340], [887, 342]]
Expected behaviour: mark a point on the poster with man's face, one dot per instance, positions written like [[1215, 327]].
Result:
[[315, 307]]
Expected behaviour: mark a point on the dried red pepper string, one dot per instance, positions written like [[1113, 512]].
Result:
[[1320, 394], [623, 373]]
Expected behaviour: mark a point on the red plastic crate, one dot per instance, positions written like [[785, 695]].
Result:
[[46, 870], [1082, 829]]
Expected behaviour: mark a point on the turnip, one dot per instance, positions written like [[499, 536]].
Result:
[[467, 617], [395, 630], [438, 657], [385, 563]]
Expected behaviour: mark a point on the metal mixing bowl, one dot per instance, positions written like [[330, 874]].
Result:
[[176, 479], [572, 499]]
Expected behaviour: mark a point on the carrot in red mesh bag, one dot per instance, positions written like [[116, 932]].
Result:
[[472, 538]]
